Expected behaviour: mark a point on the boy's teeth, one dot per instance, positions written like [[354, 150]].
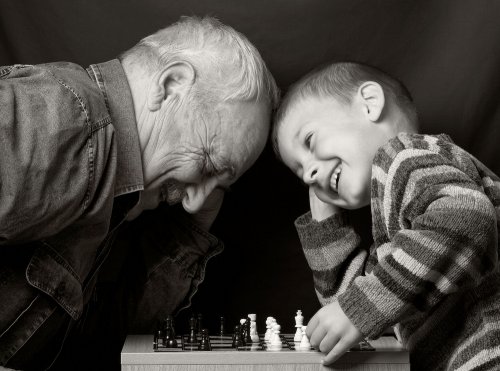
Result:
[[335, 177]]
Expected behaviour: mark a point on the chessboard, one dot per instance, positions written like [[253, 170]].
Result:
[[246, 349], [143, 353], [225, 343]]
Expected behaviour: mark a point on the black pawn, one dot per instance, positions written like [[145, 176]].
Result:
[[237, 341], [205, 340], [192, 331]]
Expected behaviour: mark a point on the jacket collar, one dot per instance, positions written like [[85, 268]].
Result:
[[111, 79]]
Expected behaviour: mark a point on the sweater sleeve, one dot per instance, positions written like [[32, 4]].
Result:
[[442, 238], [333, 252]]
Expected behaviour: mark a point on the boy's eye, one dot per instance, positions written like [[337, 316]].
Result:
[[307, 140]]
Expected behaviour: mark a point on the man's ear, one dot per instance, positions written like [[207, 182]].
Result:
[[174, 80], [373, 99]]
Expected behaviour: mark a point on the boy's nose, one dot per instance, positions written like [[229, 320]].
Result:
[[310, 176]]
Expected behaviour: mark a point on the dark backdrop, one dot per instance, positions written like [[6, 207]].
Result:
[[447, 52]]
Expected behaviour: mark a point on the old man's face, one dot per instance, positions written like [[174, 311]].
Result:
[[210, 148]]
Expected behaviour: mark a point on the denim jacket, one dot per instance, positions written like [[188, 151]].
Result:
[[70, 170]]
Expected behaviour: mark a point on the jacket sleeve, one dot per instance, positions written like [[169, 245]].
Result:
[[442, 239], [333, 251], [167, 260], [45, 165]]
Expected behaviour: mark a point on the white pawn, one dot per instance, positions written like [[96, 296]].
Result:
[[253, 328], [304, 343], [269, 322], [276, 343], [299, 320]]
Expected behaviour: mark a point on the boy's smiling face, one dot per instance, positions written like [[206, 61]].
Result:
[[331, 146]]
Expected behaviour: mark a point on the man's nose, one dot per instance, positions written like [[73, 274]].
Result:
[[311, 174], [196, 195]]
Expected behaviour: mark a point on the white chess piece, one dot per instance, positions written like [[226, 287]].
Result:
[[270, 322], [304, 343], [253, 328], [275, 343], [299, 321]]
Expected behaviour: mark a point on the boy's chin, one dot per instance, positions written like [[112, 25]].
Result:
[[354, 203]]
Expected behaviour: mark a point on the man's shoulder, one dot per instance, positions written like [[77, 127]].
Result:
[[75, 84]]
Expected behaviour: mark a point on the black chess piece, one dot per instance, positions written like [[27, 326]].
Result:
[[222, 323], [158, 339], [243, 333], [205, 340], [172, 321], [237, 342], [169, 340], [192, 331], [248, 337], [200, 325]]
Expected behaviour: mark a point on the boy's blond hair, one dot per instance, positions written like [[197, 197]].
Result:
[[340, 81]]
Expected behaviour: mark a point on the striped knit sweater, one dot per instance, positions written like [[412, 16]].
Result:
[[432, 271]]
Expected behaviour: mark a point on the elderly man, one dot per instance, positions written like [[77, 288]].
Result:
[[178, 118]]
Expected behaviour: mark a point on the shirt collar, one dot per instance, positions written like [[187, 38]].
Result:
[[111, 79]]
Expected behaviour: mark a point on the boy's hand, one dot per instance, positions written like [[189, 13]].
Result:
[[320, 210], [332, 332]]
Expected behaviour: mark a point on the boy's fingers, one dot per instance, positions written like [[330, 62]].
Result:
[[338, 350], [328, 343], [311, 326], [317, 336]]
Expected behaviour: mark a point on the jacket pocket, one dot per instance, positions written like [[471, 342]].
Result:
[[51, 273]]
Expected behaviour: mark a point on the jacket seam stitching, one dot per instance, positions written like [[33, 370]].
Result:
[[89, 140]]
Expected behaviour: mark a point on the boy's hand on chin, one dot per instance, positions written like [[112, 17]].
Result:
[[332, 332], [321, 210]]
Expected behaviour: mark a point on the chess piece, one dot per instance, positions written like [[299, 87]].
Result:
[[243, 330], [222, 323], [237, 341], [253, 328], [248, 338], [192, 331], [158, 338], [267, 335], [304, 343], [205, 340], [199, 324], [169, 339], [172, 321], [275, 342], [299, 321]]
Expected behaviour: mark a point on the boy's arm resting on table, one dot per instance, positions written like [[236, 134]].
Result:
[[333, 252], [332, 249], [443, 239]]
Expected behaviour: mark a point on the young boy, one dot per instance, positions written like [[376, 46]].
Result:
[[349, 131]]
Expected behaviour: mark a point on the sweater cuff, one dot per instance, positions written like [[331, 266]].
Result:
[[362, 312], [313, 233]]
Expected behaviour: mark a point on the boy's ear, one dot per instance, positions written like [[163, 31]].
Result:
[[373, 99], [174, 80]]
